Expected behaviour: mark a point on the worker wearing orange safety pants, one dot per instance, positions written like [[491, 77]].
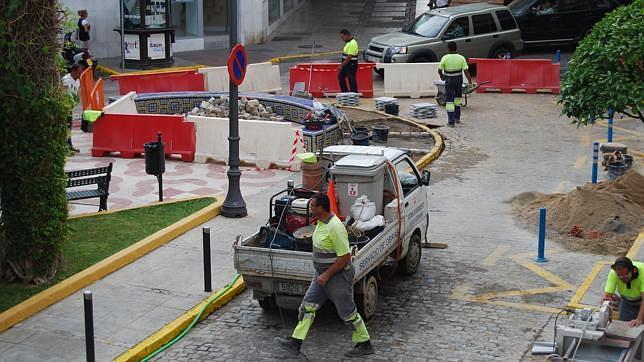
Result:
[[333, 281]]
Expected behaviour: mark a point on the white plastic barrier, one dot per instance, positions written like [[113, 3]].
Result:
[[123, 105], [412, 80], [261, 142], [260, 77]]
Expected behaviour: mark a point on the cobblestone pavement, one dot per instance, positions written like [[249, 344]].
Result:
[[483, 298]]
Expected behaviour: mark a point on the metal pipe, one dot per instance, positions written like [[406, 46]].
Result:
[[207, 272], [89, 326], [122, 25], [609, 138]]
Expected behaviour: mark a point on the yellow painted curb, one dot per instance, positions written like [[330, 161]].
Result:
[[432, 155], [151, 71], [174, 328], [280, 59], [105, 267]]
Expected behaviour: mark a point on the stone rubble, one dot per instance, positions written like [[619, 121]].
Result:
[[248, 109]]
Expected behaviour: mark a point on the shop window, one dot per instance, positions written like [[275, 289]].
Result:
[[185, 17], [274, 10]]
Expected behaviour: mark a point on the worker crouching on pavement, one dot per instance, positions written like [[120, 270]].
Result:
[[626, 277], [451, 69], [349, 66], [333, 280]]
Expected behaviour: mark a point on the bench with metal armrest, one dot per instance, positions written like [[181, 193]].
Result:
[[81, 178]]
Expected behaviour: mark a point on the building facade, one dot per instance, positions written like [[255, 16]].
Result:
[[199, 24]]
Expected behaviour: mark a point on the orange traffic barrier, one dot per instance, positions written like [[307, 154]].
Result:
[[527, 75]]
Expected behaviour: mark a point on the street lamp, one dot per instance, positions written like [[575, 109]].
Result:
[[234, 205]]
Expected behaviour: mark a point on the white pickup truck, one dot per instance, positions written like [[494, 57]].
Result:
[[387, 176]]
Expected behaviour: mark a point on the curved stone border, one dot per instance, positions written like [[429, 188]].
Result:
[[432, 155], [107, 266]]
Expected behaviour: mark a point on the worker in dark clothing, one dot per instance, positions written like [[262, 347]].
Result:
[[451, 69], [349, 66]]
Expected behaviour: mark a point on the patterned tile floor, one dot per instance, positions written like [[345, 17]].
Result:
[[131, 186]]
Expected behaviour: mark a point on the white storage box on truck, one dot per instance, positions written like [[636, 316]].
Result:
[[279, 275]]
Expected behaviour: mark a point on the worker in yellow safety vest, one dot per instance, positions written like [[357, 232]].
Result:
[[626, 277], [451, 69], [349, 66], [333, 280]]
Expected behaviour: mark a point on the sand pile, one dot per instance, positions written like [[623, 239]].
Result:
[[604, 218]]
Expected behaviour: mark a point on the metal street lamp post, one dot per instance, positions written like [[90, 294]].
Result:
[[234, 205]]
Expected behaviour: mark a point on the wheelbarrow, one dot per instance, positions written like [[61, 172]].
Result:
[[467, 89]]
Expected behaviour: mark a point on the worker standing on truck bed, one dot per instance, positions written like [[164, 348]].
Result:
[[451, 69], [626, 276], [349, 66], [333, 280]]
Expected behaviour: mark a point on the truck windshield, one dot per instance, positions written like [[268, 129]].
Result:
[[427, 25], [520, 7]]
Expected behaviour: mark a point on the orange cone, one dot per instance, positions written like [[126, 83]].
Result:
[[330, 192]]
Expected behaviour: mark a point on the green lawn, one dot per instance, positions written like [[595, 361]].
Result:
[[92, 239]]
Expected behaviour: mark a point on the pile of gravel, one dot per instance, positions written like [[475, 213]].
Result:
[[248, 109]]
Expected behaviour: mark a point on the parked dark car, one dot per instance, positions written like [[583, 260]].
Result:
[[559, 21]]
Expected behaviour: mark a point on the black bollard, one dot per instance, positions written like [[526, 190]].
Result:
[[89, 326], [207, 273]]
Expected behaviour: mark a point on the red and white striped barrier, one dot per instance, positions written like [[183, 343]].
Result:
[[298, 142]]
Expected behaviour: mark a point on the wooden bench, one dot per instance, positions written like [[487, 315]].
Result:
[[80, 178]]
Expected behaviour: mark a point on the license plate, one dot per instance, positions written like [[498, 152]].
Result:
[[370, 58], [292, 288]]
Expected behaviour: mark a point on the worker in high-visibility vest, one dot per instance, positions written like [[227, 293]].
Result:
[[333, 280], [451, 69], [349, 66], [626, 277]]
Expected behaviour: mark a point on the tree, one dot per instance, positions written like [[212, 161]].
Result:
[[606, 71], [32, 141]]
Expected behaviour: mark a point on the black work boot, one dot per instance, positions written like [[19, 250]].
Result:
[[361, 349], [290, 344]]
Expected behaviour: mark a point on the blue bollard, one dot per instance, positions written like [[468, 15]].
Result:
[[542, 237], [595, 161], [558, 56], [610, 125]]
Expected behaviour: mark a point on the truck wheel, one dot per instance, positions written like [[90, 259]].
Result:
[[368, 300], [440, 98], [411, 262], [268, 303]]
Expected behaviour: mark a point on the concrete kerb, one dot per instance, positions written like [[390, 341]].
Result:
[[171, 330], [433, 154], [107, 266]]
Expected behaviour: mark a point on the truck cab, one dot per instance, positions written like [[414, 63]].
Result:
[[279, 272]]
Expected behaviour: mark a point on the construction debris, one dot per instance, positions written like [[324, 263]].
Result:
[[347, 98], [248, 109]]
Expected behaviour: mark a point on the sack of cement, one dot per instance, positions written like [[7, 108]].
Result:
[[363, 209], [370, 224]]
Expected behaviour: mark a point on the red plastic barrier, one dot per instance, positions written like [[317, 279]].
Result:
[[324, 78], [506, 75], [167, 81], [126, 134]]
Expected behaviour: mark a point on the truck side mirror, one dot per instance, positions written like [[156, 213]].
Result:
[[447, 37], [426, 176]]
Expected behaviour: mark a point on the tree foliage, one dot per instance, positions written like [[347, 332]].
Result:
[[607, 69], [33, 119]]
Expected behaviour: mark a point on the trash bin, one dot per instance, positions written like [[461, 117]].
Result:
[[154, 158]]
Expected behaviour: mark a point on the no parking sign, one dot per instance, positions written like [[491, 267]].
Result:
[[237, 62]]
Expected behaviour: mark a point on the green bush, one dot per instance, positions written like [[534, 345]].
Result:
[[33, 119], [606, 71]]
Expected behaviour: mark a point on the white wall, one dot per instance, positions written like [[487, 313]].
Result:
[[104, 17]]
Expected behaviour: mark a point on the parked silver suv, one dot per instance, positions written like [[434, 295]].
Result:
[[479, 30]]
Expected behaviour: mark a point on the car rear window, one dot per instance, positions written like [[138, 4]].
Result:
[[483, 24], [506, 20]]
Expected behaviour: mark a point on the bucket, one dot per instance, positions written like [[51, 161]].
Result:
[[380, 133], [616, 170], [361, 130], [392, 109], [313, 176], [360, 138]]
